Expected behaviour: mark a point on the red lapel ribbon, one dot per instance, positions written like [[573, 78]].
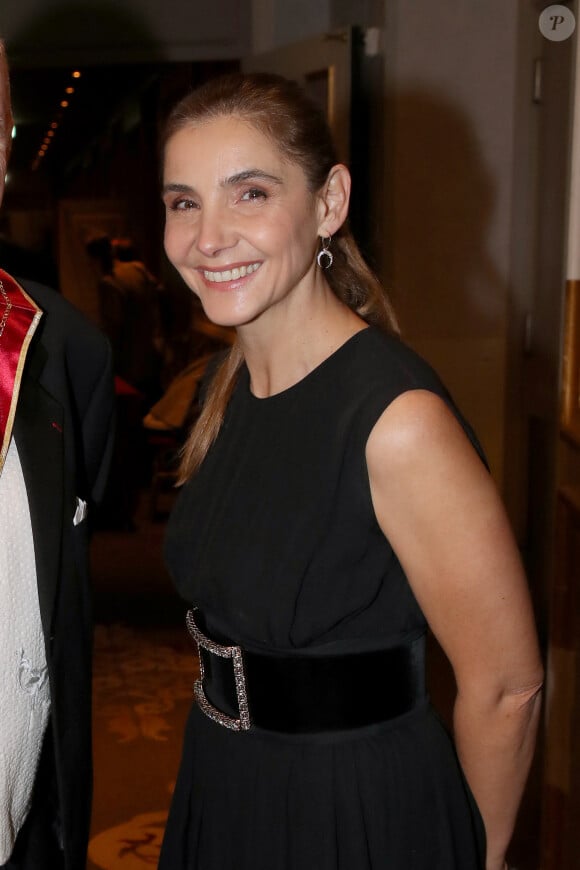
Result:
[[19, 317]]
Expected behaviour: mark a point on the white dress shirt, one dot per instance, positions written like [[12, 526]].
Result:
[[24, 688]]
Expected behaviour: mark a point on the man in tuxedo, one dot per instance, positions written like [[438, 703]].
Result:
[[56, 410]]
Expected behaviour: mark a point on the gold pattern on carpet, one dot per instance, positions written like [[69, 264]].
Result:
[[137, 684], [142, 691]]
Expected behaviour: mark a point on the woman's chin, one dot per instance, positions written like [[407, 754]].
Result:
[[226, 318]]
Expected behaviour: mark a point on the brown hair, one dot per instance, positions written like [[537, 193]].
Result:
[[280, 110]]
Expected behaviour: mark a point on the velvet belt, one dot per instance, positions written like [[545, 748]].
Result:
[[302, 693]]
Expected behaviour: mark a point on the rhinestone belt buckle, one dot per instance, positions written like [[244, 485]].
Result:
[[225, 652]]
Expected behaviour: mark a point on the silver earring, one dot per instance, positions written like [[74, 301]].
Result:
[[325, 254]]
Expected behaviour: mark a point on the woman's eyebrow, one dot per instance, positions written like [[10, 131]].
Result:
[[177, 188], [250, 174]]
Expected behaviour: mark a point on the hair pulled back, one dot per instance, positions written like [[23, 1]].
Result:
[[280, 110]]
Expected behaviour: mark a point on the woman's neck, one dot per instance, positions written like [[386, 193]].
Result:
[[280, 354]]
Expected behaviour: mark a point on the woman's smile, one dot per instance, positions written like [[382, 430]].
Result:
[[229, 274]]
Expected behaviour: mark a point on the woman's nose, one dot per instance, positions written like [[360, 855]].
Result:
[[215, 232]]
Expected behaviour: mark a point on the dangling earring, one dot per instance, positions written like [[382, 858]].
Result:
[[325, 254]]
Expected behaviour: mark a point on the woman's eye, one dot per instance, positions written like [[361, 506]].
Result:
[[252, 194], [182, 205]]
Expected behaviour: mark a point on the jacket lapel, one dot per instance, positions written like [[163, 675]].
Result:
[[38, 429]]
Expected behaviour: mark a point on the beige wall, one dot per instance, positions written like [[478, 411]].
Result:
[[451, 81]]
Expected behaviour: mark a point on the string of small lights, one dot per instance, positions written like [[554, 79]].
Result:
[[54, 124]]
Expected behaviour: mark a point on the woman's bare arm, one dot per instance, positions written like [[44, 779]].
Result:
[[440, 510]]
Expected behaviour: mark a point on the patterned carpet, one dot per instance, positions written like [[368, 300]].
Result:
[[142, 693], [144, 667]]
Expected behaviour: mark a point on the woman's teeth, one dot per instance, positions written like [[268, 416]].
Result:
[[231, 274]]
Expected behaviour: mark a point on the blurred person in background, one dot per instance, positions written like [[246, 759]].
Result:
[[129, 312]]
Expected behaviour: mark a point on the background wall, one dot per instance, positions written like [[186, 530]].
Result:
[[276, 23], [449, 176]]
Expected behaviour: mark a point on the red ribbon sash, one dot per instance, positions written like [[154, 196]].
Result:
[[19, 317]]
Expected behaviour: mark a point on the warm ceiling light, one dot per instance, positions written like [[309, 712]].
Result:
[[76, 74], [46, 140], [54, 125], [69, 90], [64, 103], [50, 134]]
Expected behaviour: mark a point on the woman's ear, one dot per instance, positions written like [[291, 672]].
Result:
[[333, 198]]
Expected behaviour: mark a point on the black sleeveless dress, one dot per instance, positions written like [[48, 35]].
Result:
[[276, 541]]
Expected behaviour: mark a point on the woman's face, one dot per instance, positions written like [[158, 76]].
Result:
[[241, 225]]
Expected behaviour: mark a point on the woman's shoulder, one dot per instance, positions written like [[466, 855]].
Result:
[[384, 368], [385, 362]]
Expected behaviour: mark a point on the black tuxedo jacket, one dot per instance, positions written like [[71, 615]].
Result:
[[64, 433]]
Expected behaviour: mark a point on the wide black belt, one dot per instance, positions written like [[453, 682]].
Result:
[[302, 694]]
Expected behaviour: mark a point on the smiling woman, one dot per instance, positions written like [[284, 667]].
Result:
[[334, 503], [241, 224]]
